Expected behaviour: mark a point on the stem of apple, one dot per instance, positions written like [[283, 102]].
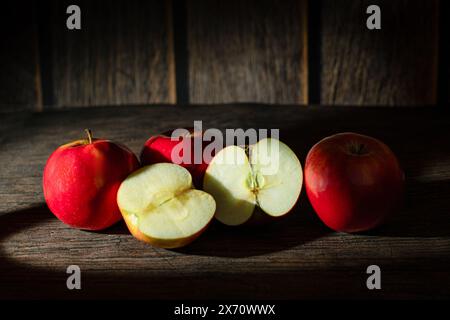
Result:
[[89, 134], [361, 148], [357, 148]]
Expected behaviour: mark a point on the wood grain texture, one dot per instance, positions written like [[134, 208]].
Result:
[[396, 65], [444, 51], [247, 51], [295, 258], [19, 76], [120, 56]]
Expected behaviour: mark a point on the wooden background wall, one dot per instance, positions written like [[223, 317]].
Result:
[[218, 51]]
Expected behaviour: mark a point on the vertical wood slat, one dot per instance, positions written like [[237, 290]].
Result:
[[396, 65], [247, 51], [444, 53], [121, 55], [20, 88]]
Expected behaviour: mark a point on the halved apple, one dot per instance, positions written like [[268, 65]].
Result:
[[160, 206], [266, 176]]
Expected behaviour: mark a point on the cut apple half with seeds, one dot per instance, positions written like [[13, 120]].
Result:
[[160, 206], [266, 176]]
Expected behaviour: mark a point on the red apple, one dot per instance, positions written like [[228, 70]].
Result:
[[81, 180], [160, 148], [354, 182]]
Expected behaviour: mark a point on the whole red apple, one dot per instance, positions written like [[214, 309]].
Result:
[[354, 182], [165, 148], [81, 180]]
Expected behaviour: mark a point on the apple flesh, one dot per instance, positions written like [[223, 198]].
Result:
[[354, 182], [160, 206], [81, 180], [160, 148], [267, 180]]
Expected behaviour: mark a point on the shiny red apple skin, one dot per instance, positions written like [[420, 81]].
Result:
[[354, 182], [81, 181], [159, 149]]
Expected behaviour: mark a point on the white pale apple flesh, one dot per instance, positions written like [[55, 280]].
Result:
[[160, 206], [268, 178]]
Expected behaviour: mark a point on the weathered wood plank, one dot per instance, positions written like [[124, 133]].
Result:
[[444, 53], [120, 56], [247, 51], [19, 58], [396, 65], [295, 258]]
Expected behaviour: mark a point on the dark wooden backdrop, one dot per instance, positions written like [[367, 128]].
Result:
[[217, 51], [287, 52]]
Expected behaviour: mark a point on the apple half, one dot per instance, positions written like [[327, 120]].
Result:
[[160, 206], [265, 178]]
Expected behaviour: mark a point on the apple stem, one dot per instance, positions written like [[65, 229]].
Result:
[[361, 147], [89, 134], [357, 148]]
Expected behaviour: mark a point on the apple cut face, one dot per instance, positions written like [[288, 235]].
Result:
[[161, 207], [269, 177], [228, 179]]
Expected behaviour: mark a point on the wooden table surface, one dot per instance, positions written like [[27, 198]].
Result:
[[294, 258]]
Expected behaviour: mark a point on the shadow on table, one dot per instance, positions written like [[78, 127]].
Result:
[[262, 236], [425, 212], [299, 227], [31, 281]]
